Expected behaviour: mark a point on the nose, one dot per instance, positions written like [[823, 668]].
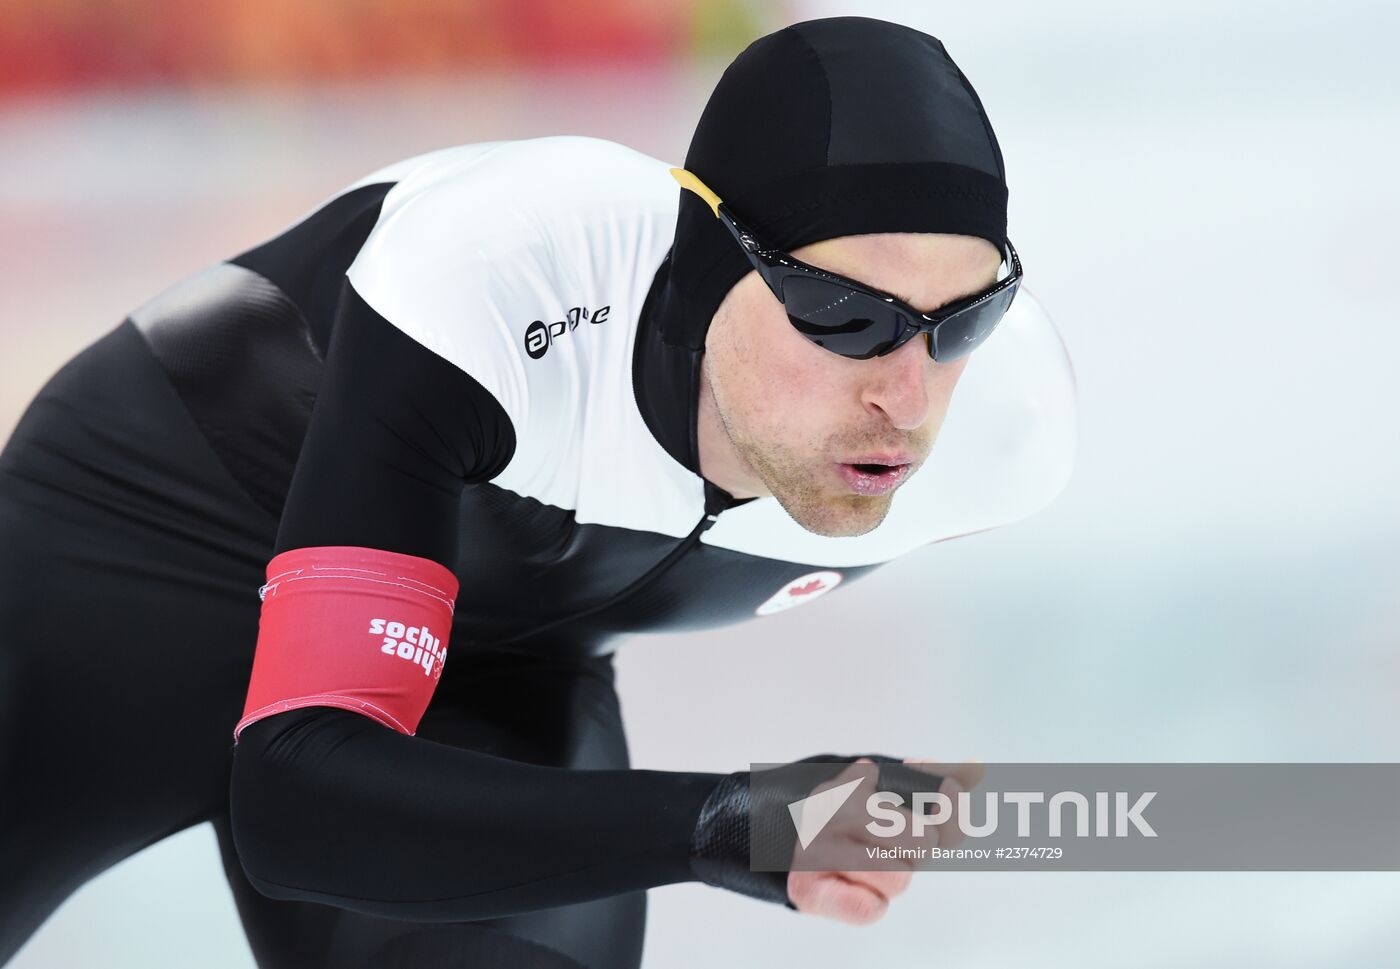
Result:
[[897, 387]]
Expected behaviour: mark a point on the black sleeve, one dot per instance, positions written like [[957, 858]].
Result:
[[396, 433], [329, 806]]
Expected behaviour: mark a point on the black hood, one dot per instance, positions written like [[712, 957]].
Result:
[[826, 128]]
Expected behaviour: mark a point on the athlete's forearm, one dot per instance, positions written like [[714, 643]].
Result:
[[330, 807]]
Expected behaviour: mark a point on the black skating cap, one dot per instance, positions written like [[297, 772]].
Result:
[[826, 128]]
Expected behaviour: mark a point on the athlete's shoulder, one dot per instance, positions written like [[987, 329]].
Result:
[[494, 223], [514, 191], [501, 258]]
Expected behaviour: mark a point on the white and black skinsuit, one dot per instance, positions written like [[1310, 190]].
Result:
[[486, 357], [451, 359]]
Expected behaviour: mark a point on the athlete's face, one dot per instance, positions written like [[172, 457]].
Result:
[[782, 416]]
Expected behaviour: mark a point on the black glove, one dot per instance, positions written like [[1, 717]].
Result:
[[720, 845]]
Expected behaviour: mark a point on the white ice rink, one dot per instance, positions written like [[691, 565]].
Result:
[[1204, 196]]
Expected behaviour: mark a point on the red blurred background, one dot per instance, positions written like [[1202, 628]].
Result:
[[62, 44]]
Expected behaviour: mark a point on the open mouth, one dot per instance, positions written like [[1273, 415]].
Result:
[[872, 479]]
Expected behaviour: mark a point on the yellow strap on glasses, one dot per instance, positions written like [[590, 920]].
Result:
[[689, 181]]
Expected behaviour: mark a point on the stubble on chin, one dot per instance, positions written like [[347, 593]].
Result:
[[815, 509]]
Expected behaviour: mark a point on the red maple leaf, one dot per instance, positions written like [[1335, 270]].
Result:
[[807, 589]]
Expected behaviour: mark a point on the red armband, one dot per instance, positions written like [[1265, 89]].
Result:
[[361, 629]]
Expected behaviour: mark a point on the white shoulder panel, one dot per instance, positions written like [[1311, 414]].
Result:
[[1005, 451], [556, 241]]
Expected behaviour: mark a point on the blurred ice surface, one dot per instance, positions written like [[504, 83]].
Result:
[[1204, 197]]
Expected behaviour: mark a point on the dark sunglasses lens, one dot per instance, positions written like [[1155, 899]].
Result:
[[842, 320], [961, 333]]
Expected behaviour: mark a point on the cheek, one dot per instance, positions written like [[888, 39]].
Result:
[[777, 391], [794, 406], [794, 383]]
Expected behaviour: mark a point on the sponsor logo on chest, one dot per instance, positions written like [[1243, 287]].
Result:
[[540, 336]]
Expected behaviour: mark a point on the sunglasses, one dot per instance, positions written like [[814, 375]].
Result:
[[859, 321]]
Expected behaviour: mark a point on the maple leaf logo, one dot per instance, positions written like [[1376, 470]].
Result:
[[801, 590]]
